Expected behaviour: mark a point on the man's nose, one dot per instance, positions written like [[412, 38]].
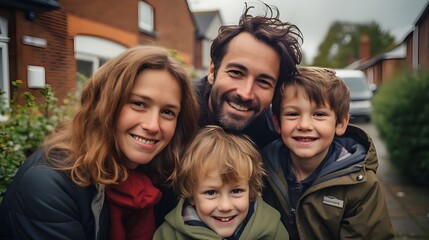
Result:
[[246, 89]]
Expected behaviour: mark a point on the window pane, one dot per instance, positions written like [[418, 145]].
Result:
[[84, 67], [146, 16]]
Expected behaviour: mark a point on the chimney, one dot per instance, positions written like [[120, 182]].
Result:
[[364, 48]]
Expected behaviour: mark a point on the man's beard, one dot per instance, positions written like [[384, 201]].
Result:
[[230, 121]]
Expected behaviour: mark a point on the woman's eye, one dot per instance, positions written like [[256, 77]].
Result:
[[168, 112], [139, 104]]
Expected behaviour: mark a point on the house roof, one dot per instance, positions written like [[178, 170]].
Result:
[[423, 14], [39, 5], [204, 19], [399, 52]]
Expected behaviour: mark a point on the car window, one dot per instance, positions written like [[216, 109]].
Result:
[[356, 84]]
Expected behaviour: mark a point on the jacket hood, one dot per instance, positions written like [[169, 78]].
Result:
[[355, 134], [263, 224], [193, 232]]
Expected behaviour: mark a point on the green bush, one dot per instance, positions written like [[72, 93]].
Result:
[[24, 126], [401, 114]]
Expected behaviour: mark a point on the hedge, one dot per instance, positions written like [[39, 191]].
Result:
[[401, 114]]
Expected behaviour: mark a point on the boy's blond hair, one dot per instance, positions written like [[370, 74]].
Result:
[[322, 86], [235, 156]]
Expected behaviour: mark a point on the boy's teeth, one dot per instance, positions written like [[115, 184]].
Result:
[[224, 219]]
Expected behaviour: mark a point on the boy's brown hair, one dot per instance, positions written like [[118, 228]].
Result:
[[322, 87]]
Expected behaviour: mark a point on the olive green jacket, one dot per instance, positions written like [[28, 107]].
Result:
[[264, 224], [346, 200]]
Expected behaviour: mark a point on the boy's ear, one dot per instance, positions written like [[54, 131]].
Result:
[[210, 75], [341, 127], [276, 124]]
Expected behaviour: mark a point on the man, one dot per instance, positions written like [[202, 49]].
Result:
[[248, 61]]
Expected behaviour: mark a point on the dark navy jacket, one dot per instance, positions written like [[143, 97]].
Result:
[[43, 203]]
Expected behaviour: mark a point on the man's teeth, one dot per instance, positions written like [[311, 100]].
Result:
[[239, 107], [142, 140]]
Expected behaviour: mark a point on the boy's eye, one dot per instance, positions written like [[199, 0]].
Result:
[[291, 114], [210, 192], [320, 114], [236, 191]]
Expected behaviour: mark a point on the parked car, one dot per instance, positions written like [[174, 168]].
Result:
[[360, 93]]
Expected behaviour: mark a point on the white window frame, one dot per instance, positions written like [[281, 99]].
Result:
[[4, 78], [146, 17], [93, 49], [89, 58]]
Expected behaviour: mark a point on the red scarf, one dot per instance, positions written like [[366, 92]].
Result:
[[132, 207]]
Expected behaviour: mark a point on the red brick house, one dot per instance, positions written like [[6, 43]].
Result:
[[411, 54], [384, 66], [48, 41], [417, 57]]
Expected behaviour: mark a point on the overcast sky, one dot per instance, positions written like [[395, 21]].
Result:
[[314, 17]]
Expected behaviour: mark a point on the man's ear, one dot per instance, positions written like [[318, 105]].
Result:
[[276, 124], [211, 74], [341, 127]]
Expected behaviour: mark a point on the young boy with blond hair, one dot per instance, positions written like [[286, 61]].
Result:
[[325, 186], [220, 180]]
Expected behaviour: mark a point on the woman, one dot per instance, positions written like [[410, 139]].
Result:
[[137, 113]]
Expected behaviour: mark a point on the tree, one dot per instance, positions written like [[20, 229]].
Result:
[[341, 44]]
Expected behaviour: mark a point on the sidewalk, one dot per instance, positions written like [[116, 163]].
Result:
[[408, 205]]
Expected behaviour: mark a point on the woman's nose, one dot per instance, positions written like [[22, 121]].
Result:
[[150, 122]]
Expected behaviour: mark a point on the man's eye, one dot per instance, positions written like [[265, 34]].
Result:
[[235, 73], [265, 83]]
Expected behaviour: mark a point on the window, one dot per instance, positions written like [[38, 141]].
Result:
[[146, 17], [4, 62], [88, 58]]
